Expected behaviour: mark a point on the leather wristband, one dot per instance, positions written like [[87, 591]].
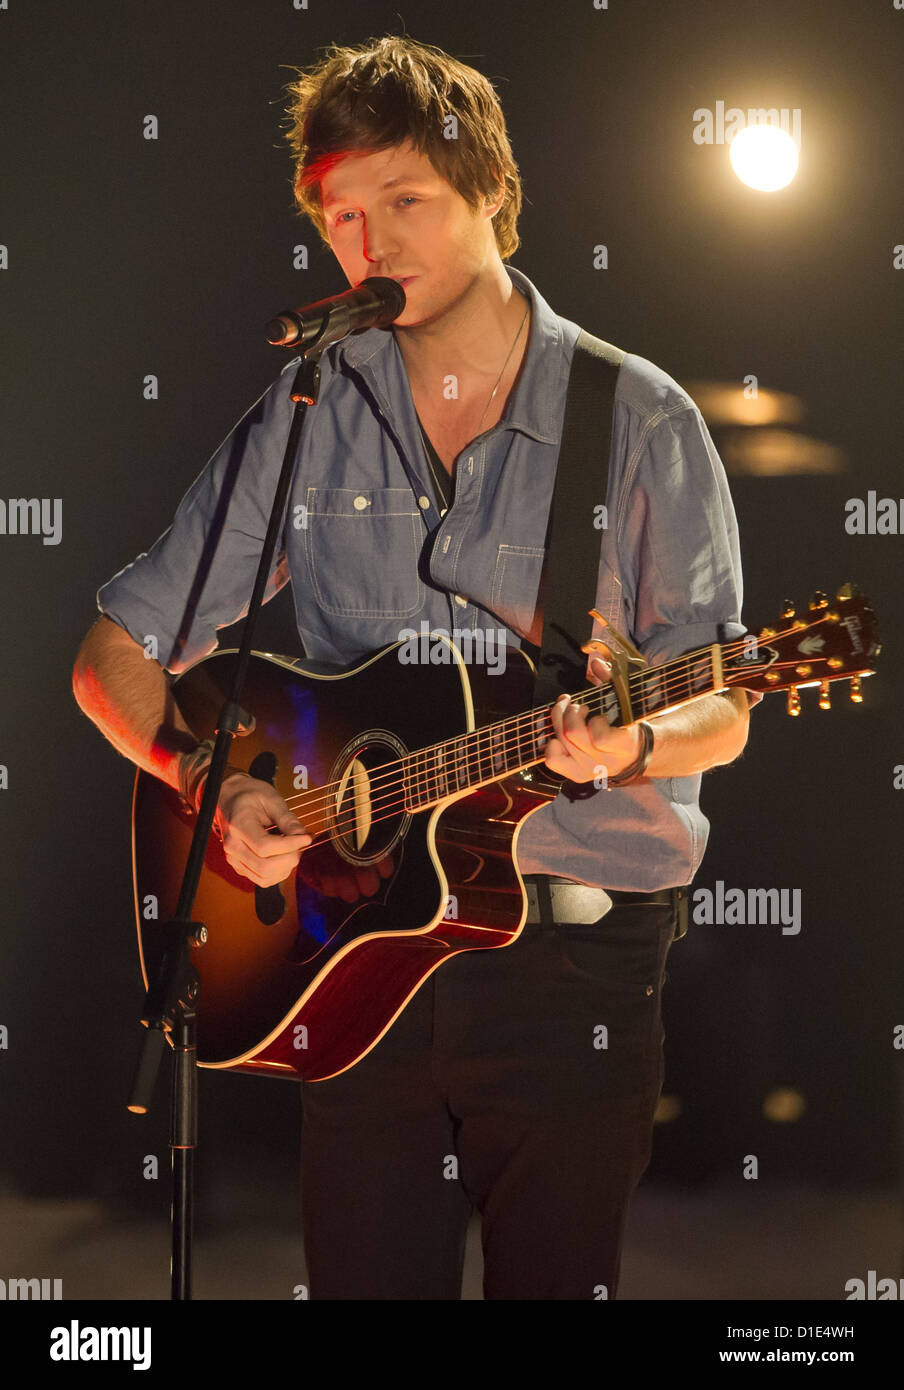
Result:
[[580, 791], [636, 769], [191, 767], [193, 770]]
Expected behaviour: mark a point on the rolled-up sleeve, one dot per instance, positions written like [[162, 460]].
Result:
[[198, 576], [678, 542]]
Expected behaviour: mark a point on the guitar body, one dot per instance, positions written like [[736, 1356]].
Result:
[[429, 765], [295, 982]]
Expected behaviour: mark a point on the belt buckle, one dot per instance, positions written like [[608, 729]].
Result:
[[570, 901], [579, 903]]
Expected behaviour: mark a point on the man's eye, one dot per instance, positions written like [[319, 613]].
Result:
[[408, 198]]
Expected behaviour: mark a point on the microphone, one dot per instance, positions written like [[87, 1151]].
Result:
[[372, 304]]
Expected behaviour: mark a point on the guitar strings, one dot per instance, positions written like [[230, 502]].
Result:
[[472, 752], [322, 796], [347, 821], [387, 801], [526, 723], [670, 678], [593, 698]]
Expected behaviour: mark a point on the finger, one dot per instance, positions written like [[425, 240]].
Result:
[[368, 882], [255, 811], [348, 890], [273, 842], [558, 757], [597, 650], [598, 731], [288, 823], [575, 727], [557, 713], [598, 670], [553, 753], [273, 868], [241, 866]]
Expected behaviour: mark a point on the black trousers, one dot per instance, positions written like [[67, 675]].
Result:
[[520, 1081]]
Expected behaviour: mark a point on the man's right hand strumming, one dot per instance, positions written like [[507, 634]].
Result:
[[129, 697], [262, 839]]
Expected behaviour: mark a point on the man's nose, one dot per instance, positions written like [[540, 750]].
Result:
[[380, 246]]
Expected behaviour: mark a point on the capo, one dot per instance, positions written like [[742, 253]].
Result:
[[622, 660]]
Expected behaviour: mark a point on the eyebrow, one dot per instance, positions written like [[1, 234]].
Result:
[[389, 183]]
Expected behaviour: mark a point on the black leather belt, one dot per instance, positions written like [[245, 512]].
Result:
[[567, 900], [659, 895]]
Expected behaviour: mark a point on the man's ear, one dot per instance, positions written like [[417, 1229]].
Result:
[[497, 198]]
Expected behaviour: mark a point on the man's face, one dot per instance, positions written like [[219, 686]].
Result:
[[418, 227]]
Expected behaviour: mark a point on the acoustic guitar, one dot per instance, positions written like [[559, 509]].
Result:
[[432, 762]]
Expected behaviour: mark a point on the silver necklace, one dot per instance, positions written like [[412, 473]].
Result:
[[489, 402], [504, 365]]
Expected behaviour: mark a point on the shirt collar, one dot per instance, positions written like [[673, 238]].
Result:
[[533, 406]]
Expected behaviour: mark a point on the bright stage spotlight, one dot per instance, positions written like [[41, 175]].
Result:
[[763, 157]]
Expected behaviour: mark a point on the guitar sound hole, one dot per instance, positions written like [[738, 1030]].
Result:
[[368, 813]]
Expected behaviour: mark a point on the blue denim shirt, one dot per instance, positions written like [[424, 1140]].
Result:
[[369, 556]]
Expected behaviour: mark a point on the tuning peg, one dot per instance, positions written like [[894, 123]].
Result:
[[825, 700], [847, 591], [789, 609], [856, 690], [818, 601], [794, 700]]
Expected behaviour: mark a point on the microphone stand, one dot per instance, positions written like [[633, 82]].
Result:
[[174, 990]]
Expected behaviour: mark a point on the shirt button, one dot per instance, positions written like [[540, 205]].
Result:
[[360, 503], [423, 502], [460, 600]]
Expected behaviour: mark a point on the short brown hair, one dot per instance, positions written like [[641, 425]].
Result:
[[391, 90]]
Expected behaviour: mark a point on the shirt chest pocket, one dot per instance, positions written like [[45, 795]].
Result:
[[516, 585], [362, 549]]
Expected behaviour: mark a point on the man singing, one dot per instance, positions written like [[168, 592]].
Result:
[[427, 471]]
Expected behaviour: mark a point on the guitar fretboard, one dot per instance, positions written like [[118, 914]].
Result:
[[484, 755]]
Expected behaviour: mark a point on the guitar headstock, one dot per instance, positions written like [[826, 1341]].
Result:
[[832, 640]]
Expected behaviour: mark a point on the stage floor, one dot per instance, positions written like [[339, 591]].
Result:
[[742, 1240]]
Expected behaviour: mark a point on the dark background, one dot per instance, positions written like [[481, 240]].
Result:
[[129, 257]]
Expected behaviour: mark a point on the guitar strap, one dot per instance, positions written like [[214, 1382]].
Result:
[[572, 539]]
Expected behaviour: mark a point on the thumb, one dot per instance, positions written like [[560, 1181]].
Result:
[[289, 824]]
